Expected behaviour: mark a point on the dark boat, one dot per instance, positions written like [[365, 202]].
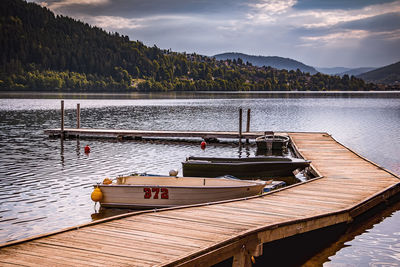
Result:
[[272, 142], [253, 167]]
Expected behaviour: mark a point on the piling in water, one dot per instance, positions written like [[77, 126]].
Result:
[[62, 119], [248, 124], [240, 125], [78, 116]]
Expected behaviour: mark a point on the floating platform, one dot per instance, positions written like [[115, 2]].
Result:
[[138, 134], [202, 235]]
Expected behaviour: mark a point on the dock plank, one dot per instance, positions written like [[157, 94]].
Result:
[[173, 222], [105, 239], [175, 231]]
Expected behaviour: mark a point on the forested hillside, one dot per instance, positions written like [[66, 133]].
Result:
[[44, 52], [387, 75], [271, 61]]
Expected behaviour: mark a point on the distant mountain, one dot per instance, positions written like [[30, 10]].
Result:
[[387, 75], [333, 70], [356, 71], [272, 61], [343, 70]]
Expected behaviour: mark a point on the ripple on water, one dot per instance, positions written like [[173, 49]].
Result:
[[377, 246]]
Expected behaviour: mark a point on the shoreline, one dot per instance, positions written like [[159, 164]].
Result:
[[201, 95]]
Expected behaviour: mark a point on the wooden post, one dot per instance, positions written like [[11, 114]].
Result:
[[248, 124], [240, 125], [62, 119], [78, 116], [242, 259]]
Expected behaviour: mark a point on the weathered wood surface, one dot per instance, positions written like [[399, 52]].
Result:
[[207, 234]]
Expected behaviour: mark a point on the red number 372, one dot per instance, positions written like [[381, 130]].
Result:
[[156, 190]]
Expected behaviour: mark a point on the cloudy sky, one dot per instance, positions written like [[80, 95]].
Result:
[[321, 33]]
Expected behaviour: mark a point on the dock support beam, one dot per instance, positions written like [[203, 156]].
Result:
[[62, 119], [242, 259]]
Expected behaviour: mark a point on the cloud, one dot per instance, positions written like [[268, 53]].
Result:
[[348, 30], [337, 37], [115, 23], [313, 27], [337, 4], [322, 18], [273, 7], [118, 23], [383, 22], [143, 8], [57, 5]]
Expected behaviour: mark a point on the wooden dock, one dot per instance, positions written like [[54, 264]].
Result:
[[203, 235], [137, 134]]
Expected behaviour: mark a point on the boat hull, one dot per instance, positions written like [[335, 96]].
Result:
[[245, 169], [161, 196], [272, 142]]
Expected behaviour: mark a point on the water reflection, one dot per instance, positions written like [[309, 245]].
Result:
[[78, 147], [102, 213], [246, 152], [374, 241], [62, 151]]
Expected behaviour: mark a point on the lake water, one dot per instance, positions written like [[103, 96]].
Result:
[[45, 184]]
